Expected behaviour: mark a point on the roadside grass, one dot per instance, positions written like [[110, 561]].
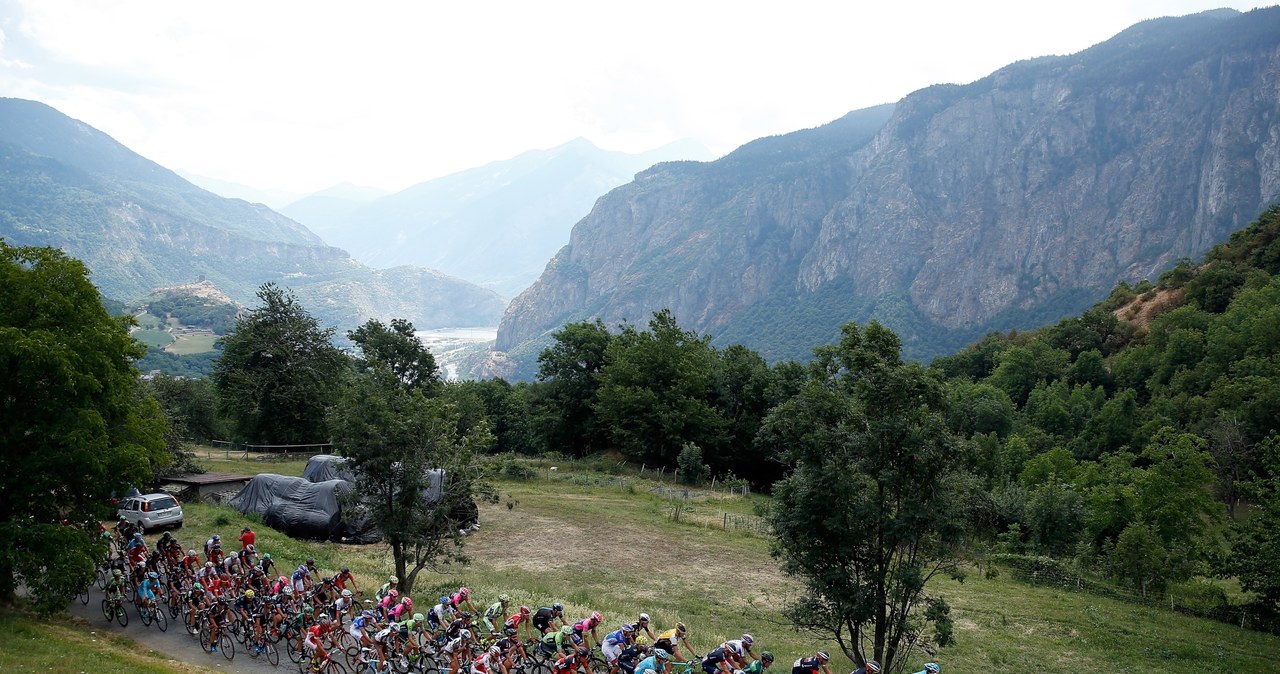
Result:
[[186, 345], [30, 644], [616, 549], [220, 461]]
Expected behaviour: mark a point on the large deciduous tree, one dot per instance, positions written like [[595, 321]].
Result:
[[397, 348], [870, 514], [278, 373], [415, 468], [563, 403], [73, 425]]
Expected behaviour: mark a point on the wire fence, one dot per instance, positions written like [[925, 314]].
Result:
[[244, 450], [1046, 571]]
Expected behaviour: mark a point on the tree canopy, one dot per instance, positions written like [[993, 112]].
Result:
[[73, 424]]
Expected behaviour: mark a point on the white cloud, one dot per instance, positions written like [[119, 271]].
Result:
[[300, 95]]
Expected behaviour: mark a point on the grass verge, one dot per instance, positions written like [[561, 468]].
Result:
[[30, 645]]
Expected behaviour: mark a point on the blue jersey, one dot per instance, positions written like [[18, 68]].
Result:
[[360, 622], [649, 663], [616, 638]]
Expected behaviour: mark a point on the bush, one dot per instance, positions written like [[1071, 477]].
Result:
[[692, 469], [1200, 596]]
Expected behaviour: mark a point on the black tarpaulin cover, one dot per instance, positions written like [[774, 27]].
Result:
[[324, 467], [302, 508]]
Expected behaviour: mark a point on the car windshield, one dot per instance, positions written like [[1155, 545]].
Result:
[[162, 503]]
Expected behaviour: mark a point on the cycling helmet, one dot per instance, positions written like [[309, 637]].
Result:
[[251, 548], [323, 619], [557, 607], [208, 565], [167, 536], [311, 562], [465, 615], [524, 610], [583, 651], [642, 640], [407, 601], [283, 580], [465, 592], [393, 593], [198, 587], [117, 573], [626, 627], [566, 630], [644, 617], [216, 537], [288, 590], [873, 667], [266, 555], [932, 668], [825, 656], [444, 599], [734, 647], [596, 617], [418, 617], [510, 631], [680, 627], [504, 598], [191, 552], [248, 594], [747, 640], [308, 609], [345, 570], [661, 654], [766, 656], [153, 575], [392, 580], [346, 594], [464, 634], [137, 536], [368, 613], [394, 626]]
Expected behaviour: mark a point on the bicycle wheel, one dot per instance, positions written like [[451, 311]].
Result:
[[273, 654], [226, 644], [297, 654], [175, 605], [84, 596], [206, 637], [161, 620], [333, 667], [122, 616], [144, 614], [108, 611]]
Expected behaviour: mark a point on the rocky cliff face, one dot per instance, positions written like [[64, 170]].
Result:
[[1006, 202]]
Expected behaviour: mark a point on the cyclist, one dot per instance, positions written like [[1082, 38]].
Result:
[[195, 602], [491, 662], [615, 642], [438, 615], [460, 624], [301, 578], [656, 663], [587, 626], [386, 587], [344, 605], [546, 615], [740, 651], [670, 640], [758, 666], [359, 625], [266, 564], [642, 624], [455, 649], [148, 589], [116, 585], [382, 637], [811, 665], [344, 576], [191, 563], [245, 606], [496, 611], [385, 604], [872, 667], [930, 668], [313, 640], [723, 659], [404, 608], [463, 596], [578, 658], [632, 655], [521, 618]]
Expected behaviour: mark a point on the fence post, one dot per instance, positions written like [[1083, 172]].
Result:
[[726, 521], [713, 484]]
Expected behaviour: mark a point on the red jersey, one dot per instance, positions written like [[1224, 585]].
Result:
[[248, 538]]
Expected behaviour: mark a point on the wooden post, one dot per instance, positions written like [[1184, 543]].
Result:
[[726, 521]]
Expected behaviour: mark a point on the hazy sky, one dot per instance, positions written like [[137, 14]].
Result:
[[301, 95]]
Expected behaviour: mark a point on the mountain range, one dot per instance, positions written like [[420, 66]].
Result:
[[1007, 202], [139, 226], [495, 225]]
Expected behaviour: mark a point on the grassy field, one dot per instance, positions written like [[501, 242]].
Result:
[[608, 543], [185, 345], [28, 644], [153, 337]]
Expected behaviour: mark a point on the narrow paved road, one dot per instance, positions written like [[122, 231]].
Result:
[[176, 643]]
